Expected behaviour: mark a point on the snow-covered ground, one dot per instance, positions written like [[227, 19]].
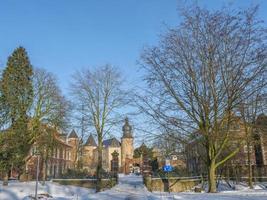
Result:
[[129, 188], [22, 190], [225, 192]]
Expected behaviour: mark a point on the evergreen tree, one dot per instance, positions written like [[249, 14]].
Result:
[[17, 95], [16, 85]]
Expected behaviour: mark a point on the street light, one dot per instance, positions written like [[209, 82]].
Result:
[[37, 171], [5, 181]]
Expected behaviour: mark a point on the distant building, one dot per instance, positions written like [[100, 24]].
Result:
[[89, 156], [176, 159], [260, 147], [62, 158], [195, 151], [69, 151], [124, 148], [127, 148]]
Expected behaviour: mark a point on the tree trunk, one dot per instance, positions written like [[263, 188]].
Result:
[[5, 180], [236, 174], [99, 168], [44, 173], [250, 183], [212, 177], [227, 174]]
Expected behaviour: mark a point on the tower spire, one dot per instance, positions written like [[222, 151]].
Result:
[[127, 148], [127, 129]]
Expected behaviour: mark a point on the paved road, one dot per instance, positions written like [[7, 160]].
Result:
[[133, 187], [129, 188]]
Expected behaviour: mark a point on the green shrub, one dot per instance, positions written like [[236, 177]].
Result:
[[75, 173]]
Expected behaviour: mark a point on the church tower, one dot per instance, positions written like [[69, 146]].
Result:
[[88, 154], [73, 140], [127, 148]]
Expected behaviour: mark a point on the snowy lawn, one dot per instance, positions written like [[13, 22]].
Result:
[[225, 193], [21, 190], [233, 195], [129, 188]]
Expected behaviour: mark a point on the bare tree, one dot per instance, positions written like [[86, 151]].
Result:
[[168, 144], [101, 94], [79, 123], [200, 72], [50, 112], [49, 105]]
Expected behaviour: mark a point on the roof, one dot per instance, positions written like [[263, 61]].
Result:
[[262, 118], [90, 141], [113, 142], [261, 122], [73, 134], [62, 142]]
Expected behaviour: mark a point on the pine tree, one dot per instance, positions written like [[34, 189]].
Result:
[[17, 95], [16, 85]]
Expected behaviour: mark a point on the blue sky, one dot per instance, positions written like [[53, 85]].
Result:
[[63, 35]]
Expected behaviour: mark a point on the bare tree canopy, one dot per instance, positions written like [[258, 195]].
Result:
[[49, 112], [98, 97], [49, 105], [200, 72]]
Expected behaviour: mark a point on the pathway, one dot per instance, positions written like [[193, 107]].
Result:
[[130, 187]]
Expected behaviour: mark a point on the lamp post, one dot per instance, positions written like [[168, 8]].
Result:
[[5, 181], [37, 172]]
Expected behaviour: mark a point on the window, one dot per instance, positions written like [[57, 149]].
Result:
[[32, 151], [246, 149], [68, 155], [236, 127], [174, 157], [54, 153], [58, 153]]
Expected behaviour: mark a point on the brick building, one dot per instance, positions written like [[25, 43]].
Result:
[[68, 151], [195, 151], [124, 148], [61, 159]]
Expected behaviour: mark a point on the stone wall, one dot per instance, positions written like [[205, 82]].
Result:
[[126, 154], [87, 183], [172, 184]]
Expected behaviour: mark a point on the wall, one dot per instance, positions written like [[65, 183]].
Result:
[[88, 183], [110, 151], [171, 184], [88, 158], [126, 151], [74, 142]]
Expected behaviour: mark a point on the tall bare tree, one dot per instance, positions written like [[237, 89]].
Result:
[[50, 112], [102, 96], [80, 124], [199, 73]]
